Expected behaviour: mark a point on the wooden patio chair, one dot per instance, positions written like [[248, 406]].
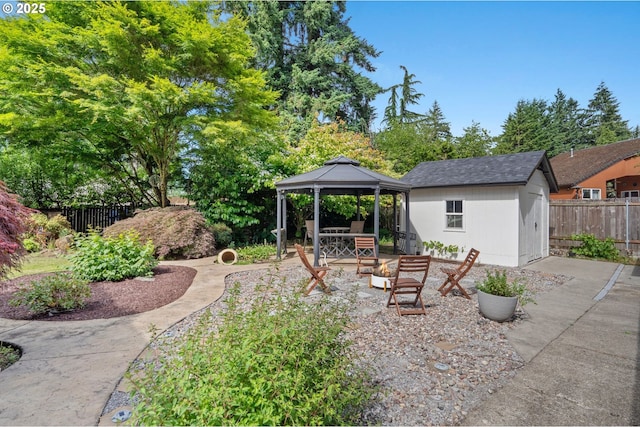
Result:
[[366, 255], [317, 273], [357, 227], [308, 233], [401, 287], [454, 275]]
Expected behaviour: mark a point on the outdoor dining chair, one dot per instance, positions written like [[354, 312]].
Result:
[[308, 234], [454, 275], [317, 273], [403, 286], [366, 255], [357, 227]]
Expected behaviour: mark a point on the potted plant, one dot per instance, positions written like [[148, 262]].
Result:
[[498, 298]]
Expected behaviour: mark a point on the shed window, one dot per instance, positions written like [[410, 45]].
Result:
[[454, 214], [591, 193]]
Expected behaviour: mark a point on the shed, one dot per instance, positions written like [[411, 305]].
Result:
[[340, 175], [496, 204]]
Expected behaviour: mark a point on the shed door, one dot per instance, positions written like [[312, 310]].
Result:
[[533, 227]]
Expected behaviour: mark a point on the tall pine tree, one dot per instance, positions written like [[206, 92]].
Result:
[[604, 121]]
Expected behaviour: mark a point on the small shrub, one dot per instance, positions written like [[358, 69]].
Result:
[[31, 245], [176, 231], [8, 355], [54, 293], [496, 283], [222, 234], [279, 362], [47, 230], [256, 253], [595, 248], [100, 258]]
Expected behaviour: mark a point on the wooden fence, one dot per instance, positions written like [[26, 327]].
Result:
[[82, 219], [615, 218]]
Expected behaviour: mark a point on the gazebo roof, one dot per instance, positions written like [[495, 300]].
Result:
[[343, 176]]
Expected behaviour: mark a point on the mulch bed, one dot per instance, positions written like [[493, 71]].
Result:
[[109, 299]]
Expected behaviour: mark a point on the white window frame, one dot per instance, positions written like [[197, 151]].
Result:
[[590, 192], [456, 203], [631, 193]]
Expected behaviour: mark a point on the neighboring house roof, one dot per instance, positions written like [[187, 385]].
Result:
[[343, 175], [507, 169], [572, 169]]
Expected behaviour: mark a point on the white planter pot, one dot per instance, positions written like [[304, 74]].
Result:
[[496, 307], [380, 282]]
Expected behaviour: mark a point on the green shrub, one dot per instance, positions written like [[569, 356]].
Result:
[[279, 362], [594, 248], [255, 253], [31, 245], [223, 235], [100, 258], [8, 355], [496, 283], [54, 293]]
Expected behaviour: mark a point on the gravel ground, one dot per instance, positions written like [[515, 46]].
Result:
[[431, 369]]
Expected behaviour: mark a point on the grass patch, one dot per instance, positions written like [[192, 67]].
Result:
[[41, 262]]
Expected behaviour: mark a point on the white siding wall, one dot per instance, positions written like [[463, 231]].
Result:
[[491, 222], [537, 185]]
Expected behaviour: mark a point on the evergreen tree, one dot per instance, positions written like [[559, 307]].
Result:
[[526, 129], [565, 125], [397, 110], [604, 121], [476, 142], [313, 59]]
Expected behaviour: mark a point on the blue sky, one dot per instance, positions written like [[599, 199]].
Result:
[[477, 59]]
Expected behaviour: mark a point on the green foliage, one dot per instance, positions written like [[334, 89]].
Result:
[[52, 294], [496, 283], [278, 362], [595, 248], [100, 258], [44, 230], [8, 356], [222, 234], [255, 253], [31, 245], [441, 248]]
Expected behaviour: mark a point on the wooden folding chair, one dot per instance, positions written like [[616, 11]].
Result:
[[317, 273], [454, 275], [366, 255], [409, 286]]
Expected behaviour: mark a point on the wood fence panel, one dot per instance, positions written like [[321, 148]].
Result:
[[83, 219], [602, 218]]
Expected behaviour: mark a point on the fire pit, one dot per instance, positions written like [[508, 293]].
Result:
[[380, 277]]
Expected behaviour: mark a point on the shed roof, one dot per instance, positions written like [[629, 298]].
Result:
[[507, 169], [343, 175], [571, 169]]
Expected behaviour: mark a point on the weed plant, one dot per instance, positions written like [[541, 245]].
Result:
[[8, 356], [593, 247], [278, 360]]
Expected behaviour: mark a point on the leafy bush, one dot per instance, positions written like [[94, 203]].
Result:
[[255, 253], [223, 235], [8, 355], [594, 248], [46, 230], [496, 283], [280, 362], [54, 293], [176, 231], [31, 245], [112, 258]]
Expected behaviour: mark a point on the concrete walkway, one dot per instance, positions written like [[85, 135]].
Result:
[[582, 355]]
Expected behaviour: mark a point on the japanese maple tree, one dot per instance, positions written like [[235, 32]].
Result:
[[12, 224]]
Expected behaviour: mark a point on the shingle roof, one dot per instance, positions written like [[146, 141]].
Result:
[[508, 169], [571, 171], [343, 175]]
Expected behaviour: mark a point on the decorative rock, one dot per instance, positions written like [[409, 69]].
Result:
[[121, 416]]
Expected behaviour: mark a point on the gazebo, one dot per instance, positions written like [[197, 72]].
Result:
[[340, 176]]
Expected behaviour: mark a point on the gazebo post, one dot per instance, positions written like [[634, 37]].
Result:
[[316, 225], [395, 223], [279, 197], [358, 206], [376, 218], [409, 249]]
